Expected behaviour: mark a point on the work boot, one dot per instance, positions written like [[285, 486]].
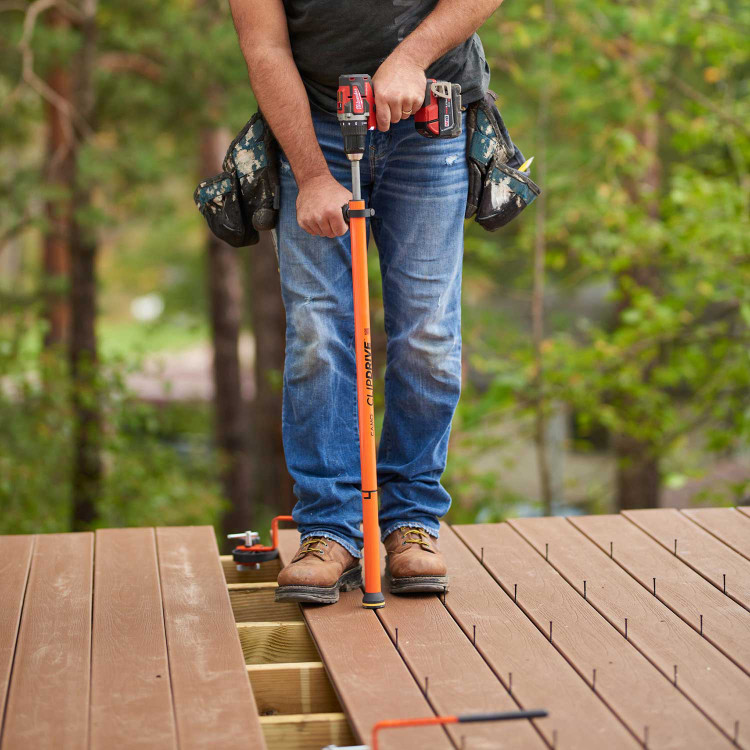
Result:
[[414, 564], [320, 569]]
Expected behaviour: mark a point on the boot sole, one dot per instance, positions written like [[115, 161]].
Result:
[[418, 584], [350, 580]]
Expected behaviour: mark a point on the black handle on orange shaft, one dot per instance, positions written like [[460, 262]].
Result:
[[367, 213], [503, 716]]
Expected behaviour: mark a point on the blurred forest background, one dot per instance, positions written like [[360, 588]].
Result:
[[606, 332]]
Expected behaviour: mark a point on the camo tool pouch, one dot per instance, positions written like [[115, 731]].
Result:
[[243, 199], [220, 202], [492, 157], [253, 157]]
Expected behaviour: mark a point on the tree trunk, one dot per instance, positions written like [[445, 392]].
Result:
[[272, 485], [59, 176], [87, 466], [230, 414], [638, 474]]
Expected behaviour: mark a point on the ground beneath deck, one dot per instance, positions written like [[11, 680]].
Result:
[[631, 630]]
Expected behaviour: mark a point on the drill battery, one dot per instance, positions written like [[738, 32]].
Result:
[[440, 115]]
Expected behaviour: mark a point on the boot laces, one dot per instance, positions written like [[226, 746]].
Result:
[[312, 545], [415, 535]]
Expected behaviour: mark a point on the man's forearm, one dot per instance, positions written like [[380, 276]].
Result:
[[449, 24]]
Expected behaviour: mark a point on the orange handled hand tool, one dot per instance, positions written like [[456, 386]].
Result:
[[252, 552], [356, 114], [427, 721]]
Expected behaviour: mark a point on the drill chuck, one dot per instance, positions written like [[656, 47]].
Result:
[[355, 109]]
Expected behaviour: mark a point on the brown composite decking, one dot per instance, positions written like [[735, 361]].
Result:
[[134, 638], [120, 639]]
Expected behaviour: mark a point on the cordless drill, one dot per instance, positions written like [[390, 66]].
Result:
[[438, 117]]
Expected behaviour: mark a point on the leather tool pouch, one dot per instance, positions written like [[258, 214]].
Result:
[[498, 192], [244, 199]]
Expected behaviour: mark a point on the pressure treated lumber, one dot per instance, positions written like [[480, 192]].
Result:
[[367, 672], [268, 571], [131, 699], [511, 645], [306, 731], [254, 602], [48, 700], [714, 684], [454, 675], [725, 623], [641, 696], [214, 705], [726, 524], [15, 560], [301, 688], [698, 549], [276, 642]]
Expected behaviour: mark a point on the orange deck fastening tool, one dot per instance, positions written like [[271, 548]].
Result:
[[432, 720], [252, 553], [356, 113]]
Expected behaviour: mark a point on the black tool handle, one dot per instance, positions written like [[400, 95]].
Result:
[[365, 212]]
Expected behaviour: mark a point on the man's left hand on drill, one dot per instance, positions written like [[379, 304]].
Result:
[[398, 85]]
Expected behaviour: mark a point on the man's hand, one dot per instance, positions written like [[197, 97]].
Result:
[[399, 85], [319, 205]]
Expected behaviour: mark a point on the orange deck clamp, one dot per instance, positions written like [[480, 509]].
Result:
[[432, 720], [252, 553]]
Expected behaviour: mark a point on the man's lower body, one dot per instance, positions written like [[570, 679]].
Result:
[[417, 188]]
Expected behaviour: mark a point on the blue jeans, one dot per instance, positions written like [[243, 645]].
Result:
[[418, 189]]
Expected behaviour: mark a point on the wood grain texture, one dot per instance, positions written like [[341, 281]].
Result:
[[254, 602], [131, 698], [15, 561], [460, 682], [301, 688], [744, 509], [725, 623], [306, 731], [48, 700], [368, 674], [726, 524], [213, 701], [698, 549], [512, 645], [276, 642], [625, 680], [712, 682]]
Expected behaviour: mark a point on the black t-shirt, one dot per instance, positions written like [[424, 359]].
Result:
[[333, 37]]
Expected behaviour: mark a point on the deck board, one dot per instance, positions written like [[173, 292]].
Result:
[[725, 623], [214, 704], [712, 682], [15, 561], [48, 700], [367, 672], [698, 549], [629, 684], [726, 524], [512, 645], [434, 646], [131, 698]]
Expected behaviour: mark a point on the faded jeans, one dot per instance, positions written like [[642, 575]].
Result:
[[417, 187]]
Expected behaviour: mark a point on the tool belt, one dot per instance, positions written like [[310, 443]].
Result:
[[244, 199], [498, 191]]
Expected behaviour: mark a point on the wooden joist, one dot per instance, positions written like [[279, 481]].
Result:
[[300, 688], [254, 602], [306, 731]]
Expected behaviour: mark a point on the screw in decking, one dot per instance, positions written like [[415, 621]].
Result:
[[510, 682], [654, 586], [515, 592], [675, 547], [481, 556], [546, 552], [645, 736], [474, 637], [675, 675], [611, 549], [550, 631], [626, 628], [725, 583], [701, 624], [445, 591], [426, 685], [584, 589], [593, 681], [736, 732], [396, 639]]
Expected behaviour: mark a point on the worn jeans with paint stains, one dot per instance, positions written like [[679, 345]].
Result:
[[418, 189]]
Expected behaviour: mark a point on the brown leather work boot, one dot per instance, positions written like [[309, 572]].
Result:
[[320, 569], [414, 564]]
